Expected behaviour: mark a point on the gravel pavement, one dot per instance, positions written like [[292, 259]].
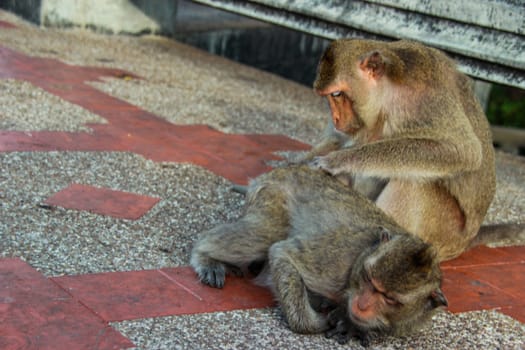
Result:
[[184, 86]]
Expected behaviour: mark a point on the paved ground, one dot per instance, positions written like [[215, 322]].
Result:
[[116, 152]]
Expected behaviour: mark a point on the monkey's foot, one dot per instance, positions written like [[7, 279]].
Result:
[[214, 273]]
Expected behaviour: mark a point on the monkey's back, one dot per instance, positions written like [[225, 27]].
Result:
[[317, 202]]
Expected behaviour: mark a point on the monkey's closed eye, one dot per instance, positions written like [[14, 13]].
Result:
[[375, 289], [391, 301], [366, 278]]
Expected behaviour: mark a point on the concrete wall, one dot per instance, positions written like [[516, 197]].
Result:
[[110, 16]]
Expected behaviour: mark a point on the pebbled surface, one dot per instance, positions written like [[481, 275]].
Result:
[[117, 151]]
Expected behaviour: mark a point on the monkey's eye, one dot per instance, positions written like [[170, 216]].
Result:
[[336, 94], [366, 278], [390, 301]]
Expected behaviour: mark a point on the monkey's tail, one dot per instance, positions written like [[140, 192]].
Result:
[[500, 235], [239, 189]]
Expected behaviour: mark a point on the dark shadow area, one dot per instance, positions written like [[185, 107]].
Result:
[[294, 55], [28, 9], [288, 53]]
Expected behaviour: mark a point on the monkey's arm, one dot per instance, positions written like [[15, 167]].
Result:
[[404, 158], [291, 291], [324, 147], [332, 140]]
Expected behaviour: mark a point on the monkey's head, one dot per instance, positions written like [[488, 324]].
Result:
[[364, 80], [396, 287]]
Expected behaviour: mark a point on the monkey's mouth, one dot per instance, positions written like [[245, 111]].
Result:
[[348, 129], [368, 325]]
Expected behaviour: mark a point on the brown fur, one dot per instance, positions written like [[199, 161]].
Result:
[[411, 119]]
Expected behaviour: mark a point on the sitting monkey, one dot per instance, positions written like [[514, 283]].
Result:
[[407, 129], [324, 244]]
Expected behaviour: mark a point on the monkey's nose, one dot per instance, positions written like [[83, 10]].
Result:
[[364, 301]]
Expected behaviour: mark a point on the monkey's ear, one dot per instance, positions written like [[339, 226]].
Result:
[[437, 299], [373, 64]]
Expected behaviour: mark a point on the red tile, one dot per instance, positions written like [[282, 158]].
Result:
[[516, 311], [131, 295], [56, 325], [4, 24], [516, 253], [21, 284], [129, 128], [238, 293], [509, 278], [483, 255], [123, 205], [466, 293], [36, 314], [486, 278]]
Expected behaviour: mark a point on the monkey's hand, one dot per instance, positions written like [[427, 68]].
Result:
[[342, 329], [340, 326], [320, 163]]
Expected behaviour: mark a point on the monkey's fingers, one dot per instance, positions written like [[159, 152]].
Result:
[[331, 332], [339, 327], [213, 276], [343, 338], [316, 163], [340, 336], [337, 318], [319, 163], [364, 340]]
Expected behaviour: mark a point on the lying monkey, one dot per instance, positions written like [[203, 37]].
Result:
[[324, 245]]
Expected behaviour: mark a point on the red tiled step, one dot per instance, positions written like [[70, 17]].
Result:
[[151, 293], [37, 314], [517, 311], [4, 24], [40, 313], [119, 204], [487, 278], [483, 255], [131, 295], [129, 128]]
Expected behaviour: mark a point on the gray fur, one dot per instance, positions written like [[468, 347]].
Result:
[[317, 236]]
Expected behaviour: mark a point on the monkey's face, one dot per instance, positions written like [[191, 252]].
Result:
[[349, 76], [396, 286]]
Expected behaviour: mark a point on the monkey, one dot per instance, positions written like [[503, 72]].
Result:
[[408, 132], [334, 260]]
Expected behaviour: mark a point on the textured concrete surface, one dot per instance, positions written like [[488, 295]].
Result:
[[121, 131]]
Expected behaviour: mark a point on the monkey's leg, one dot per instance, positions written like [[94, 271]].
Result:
[[232, 247], [291, 291], [229, 248], [439, 221]]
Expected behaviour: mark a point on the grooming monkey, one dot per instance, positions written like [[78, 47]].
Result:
[[323, 244], [409, 132]]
